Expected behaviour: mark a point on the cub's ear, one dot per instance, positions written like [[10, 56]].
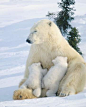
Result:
[[38, 64], [50, 23], [66, 58], [53, 61]]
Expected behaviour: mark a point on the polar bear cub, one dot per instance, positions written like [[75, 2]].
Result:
[[36, 74], [52, 78]]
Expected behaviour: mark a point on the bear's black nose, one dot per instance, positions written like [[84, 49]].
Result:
[[20, 96], [28, 41]]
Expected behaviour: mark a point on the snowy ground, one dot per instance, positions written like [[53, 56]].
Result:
[[16, 18]]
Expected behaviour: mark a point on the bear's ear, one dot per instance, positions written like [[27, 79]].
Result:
[[50, 23]]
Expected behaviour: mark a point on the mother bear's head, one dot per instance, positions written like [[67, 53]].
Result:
[[43, 31]]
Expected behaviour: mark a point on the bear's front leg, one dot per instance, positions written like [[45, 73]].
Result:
[[74, 81]]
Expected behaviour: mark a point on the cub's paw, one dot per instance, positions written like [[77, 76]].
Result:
[[50, 93], [37, 92]]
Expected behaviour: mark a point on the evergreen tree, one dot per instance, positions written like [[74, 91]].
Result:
[[74, 38], [63, 19], [65, 16]]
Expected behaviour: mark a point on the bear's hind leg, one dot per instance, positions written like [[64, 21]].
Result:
[[74, 81]]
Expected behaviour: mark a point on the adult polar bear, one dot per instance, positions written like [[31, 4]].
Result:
[[48, 43]]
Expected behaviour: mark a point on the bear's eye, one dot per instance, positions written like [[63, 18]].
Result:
[[35, 31]]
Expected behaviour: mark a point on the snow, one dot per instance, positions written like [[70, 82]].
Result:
[[72, 101], [16, 19]]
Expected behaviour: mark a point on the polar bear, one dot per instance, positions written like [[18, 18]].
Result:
[[36, 74], [48, 43], [52, 79]]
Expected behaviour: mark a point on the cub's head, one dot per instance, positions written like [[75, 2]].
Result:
[[34, 67], [39, 33], [60, 59]]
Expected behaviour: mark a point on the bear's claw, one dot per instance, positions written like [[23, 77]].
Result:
[[63, 94], [66, 93]]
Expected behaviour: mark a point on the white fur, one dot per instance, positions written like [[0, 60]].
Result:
[[47, 44], [36, 74], [52, 79]]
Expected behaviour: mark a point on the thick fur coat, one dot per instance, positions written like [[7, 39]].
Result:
[[52, 79], [36, 74], [48, 43]]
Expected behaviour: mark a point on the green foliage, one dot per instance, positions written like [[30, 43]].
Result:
[[63, 20], [74, 38], [65, 16]]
